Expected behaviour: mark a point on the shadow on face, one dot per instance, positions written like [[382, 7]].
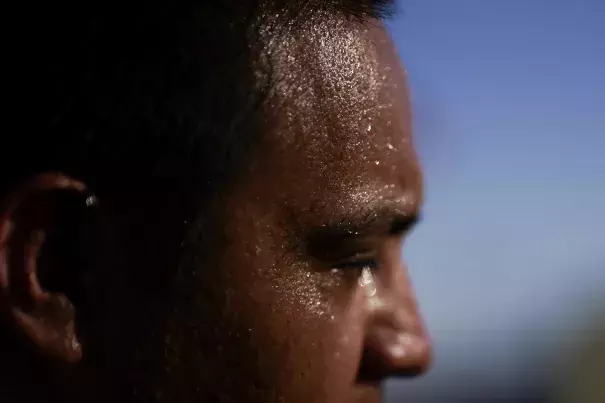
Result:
[[293, 292]]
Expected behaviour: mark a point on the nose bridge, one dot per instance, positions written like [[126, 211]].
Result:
[[396, 341], [399, 309]]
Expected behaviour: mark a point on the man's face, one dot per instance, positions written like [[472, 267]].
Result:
[[307, 299], [293, 292]]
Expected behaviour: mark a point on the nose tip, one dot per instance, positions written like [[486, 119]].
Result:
[[392, 353]]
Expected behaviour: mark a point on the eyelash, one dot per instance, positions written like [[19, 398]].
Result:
[[357, 264]]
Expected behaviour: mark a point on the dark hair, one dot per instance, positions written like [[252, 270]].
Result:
[[158, 90]]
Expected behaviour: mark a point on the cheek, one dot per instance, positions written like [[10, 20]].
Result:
[[323, 332], [306, 329]]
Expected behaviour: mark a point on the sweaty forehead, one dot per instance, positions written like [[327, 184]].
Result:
[[339, 113]]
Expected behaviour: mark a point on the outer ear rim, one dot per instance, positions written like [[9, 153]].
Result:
[[8, 205], [40, 183], [46, 340], [6, 229]]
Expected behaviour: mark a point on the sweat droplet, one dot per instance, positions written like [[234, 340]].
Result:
[[367, 282], [91, 201]]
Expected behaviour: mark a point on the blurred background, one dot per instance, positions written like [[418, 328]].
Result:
[[509, 263]]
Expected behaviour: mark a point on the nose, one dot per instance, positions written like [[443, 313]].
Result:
[[396, 342]]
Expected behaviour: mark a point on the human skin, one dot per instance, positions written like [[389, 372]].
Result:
[[335, 185], [303, 296]]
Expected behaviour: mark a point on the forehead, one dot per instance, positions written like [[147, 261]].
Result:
[[340, 125]]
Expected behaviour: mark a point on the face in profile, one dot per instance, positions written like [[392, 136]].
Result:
[[302, 296]]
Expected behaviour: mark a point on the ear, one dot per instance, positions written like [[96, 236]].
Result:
[[45, 319]]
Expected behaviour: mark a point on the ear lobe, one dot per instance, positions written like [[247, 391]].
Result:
[[45, 319], [51, 327]]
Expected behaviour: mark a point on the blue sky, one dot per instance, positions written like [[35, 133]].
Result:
[[510, 123]]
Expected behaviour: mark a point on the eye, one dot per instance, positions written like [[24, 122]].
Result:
[[357, 264]]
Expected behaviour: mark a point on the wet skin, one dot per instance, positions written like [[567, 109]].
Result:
[[315, 279], [303, 297]]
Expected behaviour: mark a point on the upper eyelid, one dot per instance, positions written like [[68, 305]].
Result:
[[361, 256], [371, 224]]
